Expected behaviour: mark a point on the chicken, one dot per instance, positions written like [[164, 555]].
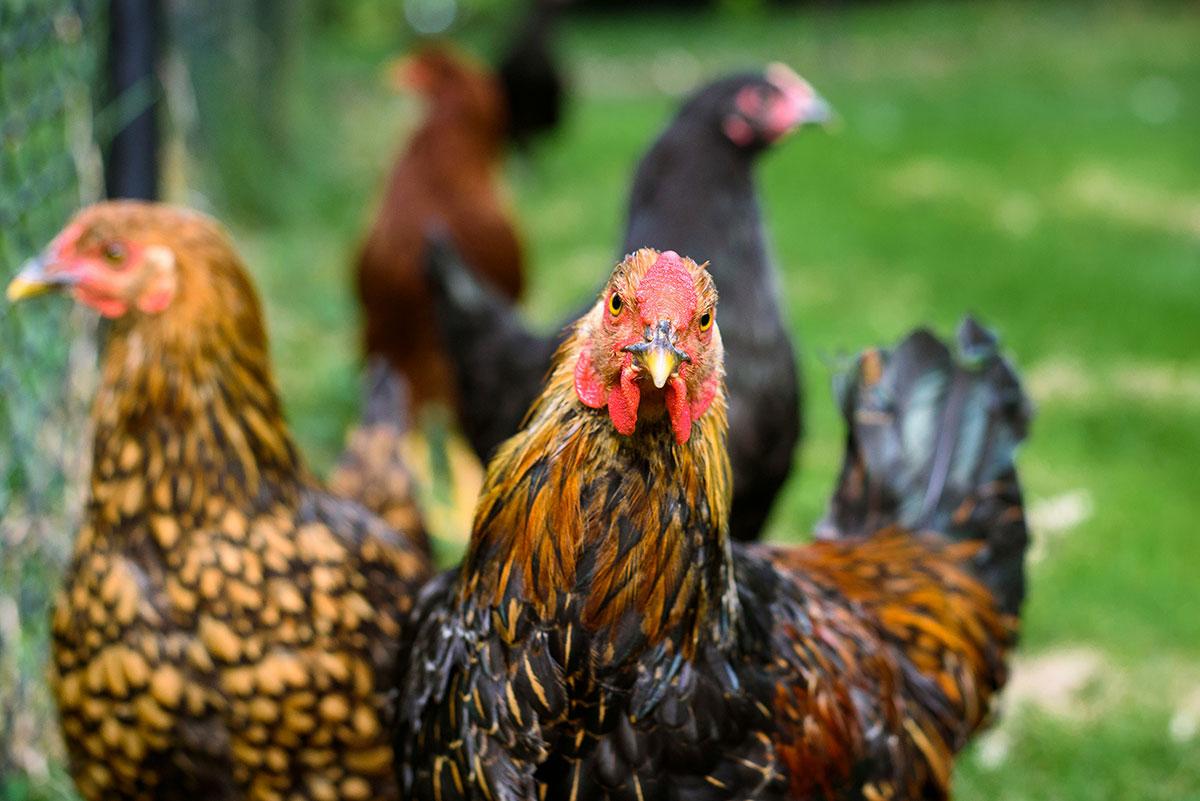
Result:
[[446, 175], [529, 74], [226, 629], [372, 469], [604, 637], [694, 192]]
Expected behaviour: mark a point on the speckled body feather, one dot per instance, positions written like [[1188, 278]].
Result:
[[605, 639], [226, 628], [372, 468]]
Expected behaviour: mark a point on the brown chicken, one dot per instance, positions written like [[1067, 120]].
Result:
[[605, 638], [446, 176], [227, 629]]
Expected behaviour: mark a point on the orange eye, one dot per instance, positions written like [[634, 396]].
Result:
[[706, 321], [614, 304]]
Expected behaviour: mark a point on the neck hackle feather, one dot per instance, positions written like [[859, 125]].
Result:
[[631, 528], [190, 388]]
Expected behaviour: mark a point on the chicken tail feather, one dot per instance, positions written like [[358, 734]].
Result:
[[372, 469], [932, 436], [498, 362]]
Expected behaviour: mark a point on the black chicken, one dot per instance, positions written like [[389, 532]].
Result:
[[532, 80], [694, 193]]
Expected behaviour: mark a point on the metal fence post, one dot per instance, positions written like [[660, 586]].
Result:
[[131, 157]]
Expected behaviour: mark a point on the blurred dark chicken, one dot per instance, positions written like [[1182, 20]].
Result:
[[529, 74], [446, 174], [227, 629], [694, 193], [604, 638]]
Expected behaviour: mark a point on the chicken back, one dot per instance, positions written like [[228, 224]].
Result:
[[372, 468]]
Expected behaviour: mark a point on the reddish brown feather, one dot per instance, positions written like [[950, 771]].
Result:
[[446, 175], [913, 592]]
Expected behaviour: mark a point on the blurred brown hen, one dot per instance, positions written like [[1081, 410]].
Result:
[[446, 176], [227, 629], [605, 639]]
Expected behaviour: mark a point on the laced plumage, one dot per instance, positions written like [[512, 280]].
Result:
[[226, 628]]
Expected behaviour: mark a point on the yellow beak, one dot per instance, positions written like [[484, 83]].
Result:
[[658, 355], [20, 288], [33, 280], [660, 363]]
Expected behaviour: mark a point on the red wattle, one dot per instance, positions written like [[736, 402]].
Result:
[[109, 307], [623, 400], [588, 384], [679, 409], [704, 396]]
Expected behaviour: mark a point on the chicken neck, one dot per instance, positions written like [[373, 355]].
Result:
[[625, 536], [187, 421]]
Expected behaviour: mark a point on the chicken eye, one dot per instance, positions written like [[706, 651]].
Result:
[[706, 321], [614, 304], [113, 252]]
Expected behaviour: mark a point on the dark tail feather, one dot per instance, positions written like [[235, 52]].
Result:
[[531, 76], [931, 443], [498, 362], [371, 469], [386, 398]]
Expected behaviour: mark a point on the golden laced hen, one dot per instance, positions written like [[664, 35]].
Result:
[[227, 629], [605, 638]]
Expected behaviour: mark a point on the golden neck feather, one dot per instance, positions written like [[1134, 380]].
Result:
[[187, 419], [631, 531]]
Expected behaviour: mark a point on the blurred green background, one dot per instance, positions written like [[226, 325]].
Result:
[[1036, 164]]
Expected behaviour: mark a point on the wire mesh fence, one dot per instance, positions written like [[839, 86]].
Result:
[[49, 64]]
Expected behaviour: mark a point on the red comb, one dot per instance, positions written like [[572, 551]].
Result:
[[667, 291]]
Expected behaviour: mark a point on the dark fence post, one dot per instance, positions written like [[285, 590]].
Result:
[[131, 157]]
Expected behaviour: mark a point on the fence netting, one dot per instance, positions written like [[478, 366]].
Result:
[[50, 52]]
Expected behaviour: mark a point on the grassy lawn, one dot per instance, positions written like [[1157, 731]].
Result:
[[1036, 165]]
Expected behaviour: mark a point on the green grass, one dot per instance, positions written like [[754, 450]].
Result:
[[1037, 165], [992, 159]]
